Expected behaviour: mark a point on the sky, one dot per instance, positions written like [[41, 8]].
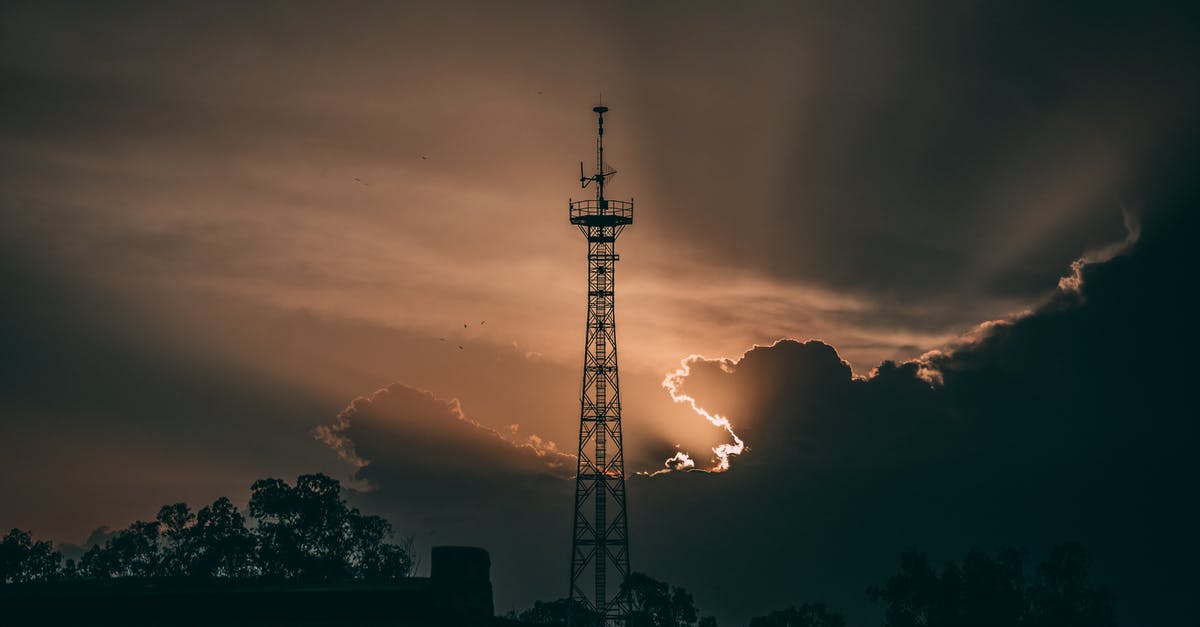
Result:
[[929, 260]]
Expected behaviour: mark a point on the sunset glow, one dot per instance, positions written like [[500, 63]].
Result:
[[940, 251], [723, 452]]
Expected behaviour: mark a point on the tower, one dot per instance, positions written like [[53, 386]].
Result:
[[600, 537]]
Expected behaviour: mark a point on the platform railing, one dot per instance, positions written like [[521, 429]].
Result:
[[621, 209]]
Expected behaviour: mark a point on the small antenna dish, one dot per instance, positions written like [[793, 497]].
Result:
[[600, 109], [609, 172]]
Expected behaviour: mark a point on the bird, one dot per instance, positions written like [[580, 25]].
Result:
[[482, 322], [362, 181], [539, 93], [441, 339], [424, 157], [464, 325], [460, 347]]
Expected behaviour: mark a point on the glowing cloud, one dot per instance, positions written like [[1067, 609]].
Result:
[[1071, 284], [678, 461], [681, 460], [1133, 230]]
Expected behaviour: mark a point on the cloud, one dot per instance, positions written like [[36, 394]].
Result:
[[815, 362], [1074, 281], [680, 460], [398, 430], [1064, 422], [98, 536]]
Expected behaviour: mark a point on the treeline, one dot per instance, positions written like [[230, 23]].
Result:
[[303, 532], [981, 591], [307, 532]]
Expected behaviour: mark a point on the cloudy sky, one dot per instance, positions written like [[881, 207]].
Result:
[[930, 261]]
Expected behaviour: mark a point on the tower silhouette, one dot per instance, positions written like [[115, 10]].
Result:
[[600, 537]]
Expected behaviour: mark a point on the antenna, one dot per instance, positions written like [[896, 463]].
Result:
[[603, 170]]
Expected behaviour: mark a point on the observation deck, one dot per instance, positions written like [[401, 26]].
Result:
[[596, 212]]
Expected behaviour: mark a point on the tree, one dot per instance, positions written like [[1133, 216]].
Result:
[[175, 529], [554, 614], [301, 529], [23, 560], [1061, 595], [988, 592], [309, 532], [654, 603], [303, 532], [218, 544], [132, 552], [807, 615]]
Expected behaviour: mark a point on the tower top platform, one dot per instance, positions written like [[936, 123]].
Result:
[[601, 212]]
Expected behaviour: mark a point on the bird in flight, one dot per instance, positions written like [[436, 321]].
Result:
[[362, 181]]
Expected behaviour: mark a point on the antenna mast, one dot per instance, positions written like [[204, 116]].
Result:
[[600, 534], [603, 170]]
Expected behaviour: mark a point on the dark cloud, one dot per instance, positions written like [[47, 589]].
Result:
[[1070, 422], [98, 536], [400, 431]]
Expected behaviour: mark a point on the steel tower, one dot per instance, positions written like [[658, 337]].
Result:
[[600, 536]]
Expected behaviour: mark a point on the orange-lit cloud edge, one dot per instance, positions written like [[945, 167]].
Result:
[[557, 463], [723, 453]]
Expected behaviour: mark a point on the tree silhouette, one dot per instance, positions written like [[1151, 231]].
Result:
[[132, 552], [554, 614], [175, 522], [654, 603], [218, 544], [807, 615], [1062, 596], [988, 592], [308, 532], [23, 560], [305, 532]]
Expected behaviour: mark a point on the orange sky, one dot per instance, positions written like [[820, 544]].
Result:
[[310, 199]]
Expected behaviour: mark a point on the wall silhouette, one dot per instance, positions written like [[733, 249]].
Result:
[[458, 592]]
